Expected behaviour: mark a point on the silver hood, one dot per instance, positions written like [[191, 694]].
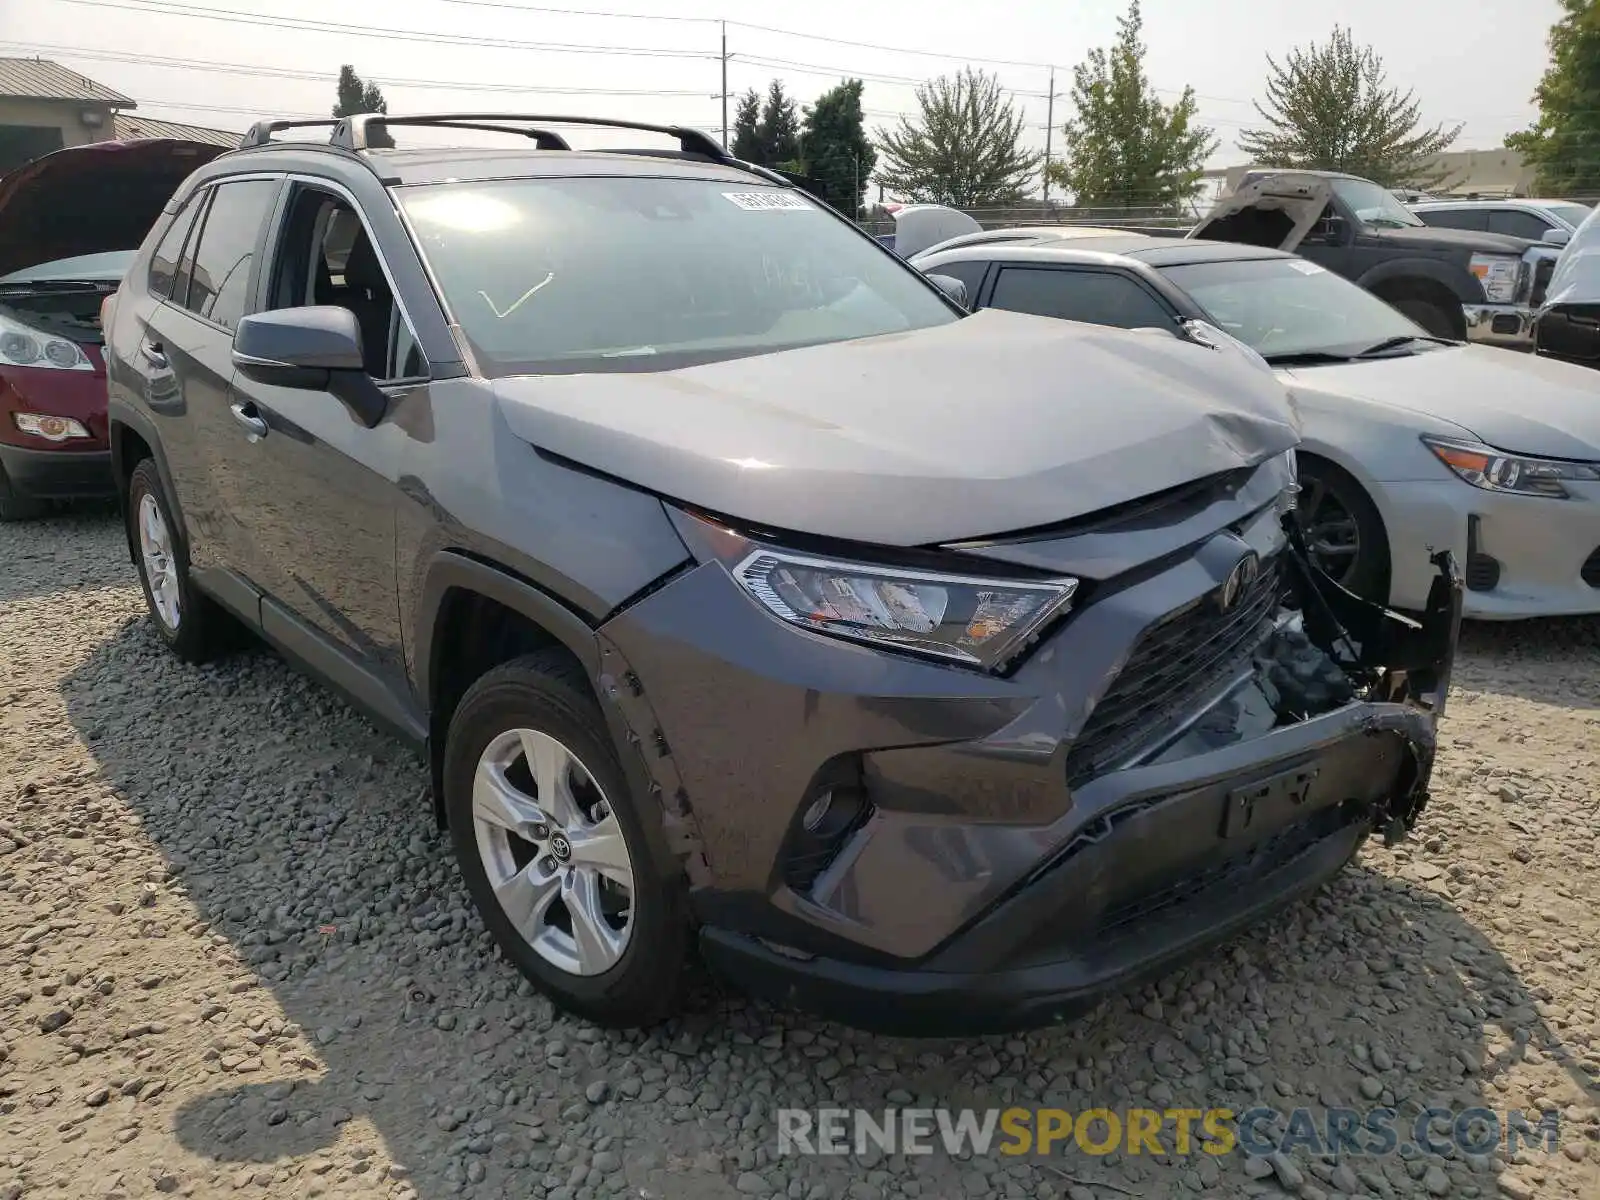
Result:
[[1514, 402], [989, 424]]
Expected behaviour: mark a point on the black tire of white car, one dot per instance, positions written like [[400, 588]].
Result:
[[17, 508], [546, 692], [204, 630], [1369, 575]]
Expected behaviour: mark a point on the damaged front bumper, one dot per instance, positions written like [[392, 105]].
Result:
[[985, 886]]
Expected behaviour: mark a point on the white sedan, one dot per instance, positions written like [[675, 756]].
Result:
[[1411, 443]]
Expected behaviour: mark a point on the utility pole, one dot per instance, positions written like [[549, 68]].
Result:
[[724, 85], [1049, 131]]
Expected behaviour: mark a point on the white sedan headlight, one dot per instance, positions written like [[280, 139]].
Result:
[[980, 622], [1494, 471], [1499, 274]]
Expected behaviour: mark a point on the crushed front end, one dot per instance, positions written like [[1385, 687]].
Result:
[[1213, 730]]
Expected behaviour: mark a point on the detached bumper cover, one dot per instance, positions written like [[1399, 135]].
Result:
[[58, 474], [1169, 857]]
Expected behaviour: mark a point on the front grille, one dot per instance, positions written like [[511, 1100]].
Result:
[[1591, 569], [1542, 271], [1178, 661]]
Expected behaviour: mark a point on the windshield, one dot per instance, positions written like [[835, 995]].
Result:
[[629, 273], [1375, 205], [1572, 214], [1288, 308]]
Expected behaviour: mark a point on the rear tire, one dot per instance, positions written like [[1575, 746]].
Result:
[[18, 508], [528, 746], [187, 620]]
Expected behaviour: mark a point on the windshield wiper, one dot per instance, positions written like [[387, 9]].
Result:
[[1305, 358], [1404, 339]]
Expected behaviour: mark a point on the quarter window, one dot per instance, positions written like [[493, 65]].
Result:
[[1097, 297], [219, 289], [164, 262]]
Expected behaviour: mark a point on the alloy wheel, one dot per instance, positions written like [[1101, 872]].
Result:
[[160, 565], [553, 851], [1333, 535]]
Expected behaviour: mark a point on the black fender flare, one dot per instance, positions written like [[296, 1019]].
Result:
[[451, 569], [119, 415], [1456, 280]]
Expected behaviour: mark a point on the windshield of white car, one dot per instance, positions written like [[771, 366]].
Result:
[[1572, 214], [1375, 205], [630, 273], [1288, 308]]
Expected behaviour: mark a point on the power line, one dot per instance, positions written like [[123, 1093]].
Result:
[[179, 64], [235, 17]]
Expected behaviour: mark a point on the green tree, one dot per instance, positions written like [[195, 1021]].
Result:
[[778, 131], [1328, 109], [746, 144], [357, 95], [835, 147], [962, 148], [1564, 143], [1125, 148]]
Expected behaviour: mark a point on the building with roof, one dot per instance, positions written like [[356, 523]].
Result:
[[45, 106]]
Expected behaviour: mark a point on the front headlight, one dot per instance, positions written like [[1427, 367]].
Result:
[[1499, 274], [24, 346], [980, 622], [1485, 467], [49, 427]]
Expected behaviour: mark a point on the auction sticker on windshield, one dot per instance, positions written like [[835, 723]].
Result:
[[767, 201]]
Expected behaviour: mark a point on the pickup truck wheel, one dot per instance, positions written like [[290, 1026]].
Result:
[[573, 885], [188, 621], [1343, 529], [17, 508], [1433, 318]]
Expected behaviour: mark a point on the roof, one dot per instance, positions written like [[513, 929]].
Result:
[[126, 127], [1494, 201], [441, 164], [1154, 251], [41, 79]]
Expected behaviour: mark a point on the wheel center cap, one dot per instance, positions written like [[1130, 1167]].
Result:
[[560, 847]]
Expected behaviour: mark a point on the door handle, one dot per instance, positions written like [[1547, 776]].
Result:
[[153, 353], [254, 427]]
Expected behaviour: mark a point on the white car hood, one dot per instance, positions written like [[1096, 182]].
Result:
[[1514, 402]]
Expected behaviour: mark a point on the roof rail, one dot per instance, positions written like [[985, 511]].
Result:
[[370, 131], [261, 132]]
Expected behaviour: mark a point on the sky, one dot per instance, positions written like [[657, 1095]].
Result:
[[225, 63]]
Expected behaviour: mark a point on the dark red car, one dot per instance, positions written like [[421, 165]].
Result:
[[70, 222]]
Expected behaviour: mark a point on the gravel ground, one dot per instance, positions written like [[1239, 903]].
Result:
[[234, 955]]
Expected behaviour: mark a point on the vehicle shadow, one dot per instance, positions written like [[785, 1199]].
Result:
[[1553, 660], [65, 550], [298, 834]]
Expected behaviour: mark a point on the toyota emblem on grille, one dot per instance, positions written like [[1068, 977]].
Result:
[[1237, 584]]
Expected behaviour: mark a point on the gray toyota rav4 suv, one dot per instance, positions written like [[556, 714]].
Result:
[[750, 600]]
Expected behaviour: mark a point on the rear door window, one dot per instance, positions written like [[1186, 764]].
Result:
[[1457, 218], [1097, 297], [219, 289]]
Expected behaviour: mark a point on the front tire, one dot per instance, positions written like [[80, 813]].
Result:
[[1432, 317], [569, 873], [186, 619], [1343, 529]]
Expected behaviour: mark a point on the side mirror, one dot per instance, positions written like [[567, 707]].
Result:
[[1335, 230], [1556, 235], [950, 286], [313, 349]]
